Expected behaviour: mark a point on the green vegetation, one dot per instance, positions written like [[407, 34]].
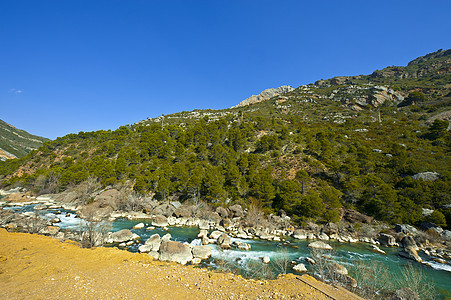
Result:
[[18, 142], [308, 156]]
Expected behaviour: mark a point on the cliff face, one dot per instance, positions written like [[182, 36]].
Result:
[[17, 143], [265, 95]]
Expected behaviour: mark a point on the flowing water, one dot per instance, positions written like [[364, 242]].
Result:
[[346, 254]]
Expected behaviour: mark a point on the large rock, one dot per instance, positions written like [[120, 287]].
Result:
[[123, 235], [406, 229], [160, 221], [354, 216], [224, 241], [202, 252], [222, 212], [339, 269], [138, 226], [109, 197], [183, 212], [176, 252], [237, 210], [214, 235], [300, 234], [320, 245], [16, 197], [164, 209], [387, 240], [408, 241], [300, 268], [411, 253], [154, 242]]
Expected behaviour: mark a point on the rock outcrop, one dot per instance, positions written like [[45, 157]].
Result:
[[176, 252], [265, 95]]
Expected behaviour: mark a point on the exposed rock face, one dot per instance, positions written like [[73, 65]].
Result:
[[176, 252], [164, 209], [427, 176], [222, 212], [266, 95], [320, 245], [300, 234], [183, 211], [160, 221], [123, 235]]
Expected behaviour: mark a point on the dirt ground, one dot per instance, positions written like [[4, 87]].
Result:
[[39, 267]]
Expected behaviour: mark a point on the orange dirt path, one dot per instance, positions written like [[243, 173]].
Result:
[[39, 267]]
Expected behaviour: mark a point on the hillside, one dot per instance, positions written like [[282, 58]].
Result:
[[17, 143], [359, 142]]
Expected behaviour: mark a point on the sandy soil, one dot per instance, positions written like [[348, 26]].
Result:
[[39, 267]]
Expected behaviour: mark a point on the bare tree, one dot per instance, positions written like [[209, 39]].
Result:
[[282, 261], [94, 227], [414, 278], [85, 189]]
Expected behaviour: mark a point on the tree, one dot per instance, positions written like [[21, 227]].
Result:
[[94, 226], [302, 176]]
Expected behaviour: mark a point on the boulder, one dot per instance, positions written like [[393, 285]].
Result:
[[176, 204], [166, 237], [377, 249], [236, 210], [109, 197], [222, 212], [339, 269], [320, 245], [323, 237], [226, 223], [202, 233], [300, 234], [138, 226], [202, 252], [204, 225], [330, 228], [354, 216], [160, 221], [196, 261], [387, 240], [164, 209], [214, 235], [266, 260], [51, 230], [144, 248], [123, 235], [224, 241], [300, 268], [154, 242], [176, 252], [243, 246], [310, 260], [410, 253], [154, 254], [183, 212], [408, 241], [406, 229]]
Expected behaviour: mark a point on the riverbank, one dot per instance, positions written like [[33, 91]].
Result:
[[40, 267]]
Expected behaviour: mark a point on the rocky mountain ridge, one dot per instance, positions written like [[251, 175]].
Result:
[[265, 95]]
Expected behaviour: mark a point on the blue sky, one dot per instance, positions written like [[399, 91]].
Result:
[[74, 65]]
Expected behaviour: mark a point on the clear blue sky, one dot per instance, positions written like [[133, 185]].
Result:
[[71, 65]]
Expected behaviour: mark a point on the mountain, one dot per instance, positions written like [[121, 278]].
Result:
[[16, 143], [360, 142]]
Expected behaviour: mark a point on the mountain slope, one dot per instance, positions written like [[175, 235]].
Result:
[[356, 142], [17, 143]]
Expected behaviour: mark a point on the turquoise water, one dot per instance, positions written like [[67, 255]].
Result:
[[344, 253], [296, 250]]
